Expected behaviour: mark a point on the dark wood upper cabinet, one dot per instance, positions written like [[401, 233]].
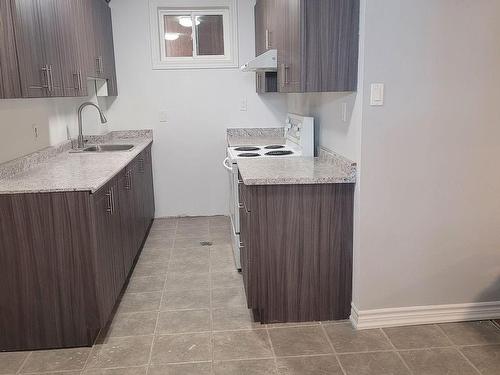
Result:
[[57, 45], [33, 55], [10, 85], [103, 54], [317, 43]]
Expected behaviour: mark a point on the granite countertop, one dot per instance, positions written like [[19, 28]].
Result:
[[296, 170], [76, 171], [255, 136]]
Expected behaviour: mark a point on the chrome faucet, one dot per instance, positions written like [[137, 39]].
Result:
[[81, 142]]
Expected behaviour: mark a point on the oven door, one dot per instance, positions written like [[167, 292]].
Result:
[[234, 210], [234, 200]]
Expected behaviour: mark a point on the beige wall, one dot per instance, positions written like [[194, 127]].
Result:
[[428, 193], [430, 187], [53, 117], [200, 104]]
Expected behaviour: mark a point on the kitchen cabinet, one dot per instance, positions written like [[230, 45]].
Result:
[[65, 258], [104, 58], [10, 85], [77, 45], [296, 251], [266, 26], [110, 253], [317, 43], [38, 31], [59, 44]]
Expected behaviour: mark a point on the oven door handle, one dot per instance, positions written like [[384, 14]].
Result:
[[224, 163]]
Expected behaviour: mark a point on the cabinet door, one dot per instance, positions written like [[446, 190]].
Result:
[[10, 85], [52, 32], [110, 258], [260, 27], [109, 51], [127, 214], [138, 182], [75, 16], [289, 55], [33, 67], [104, 57], [148, 187], [244, 247]]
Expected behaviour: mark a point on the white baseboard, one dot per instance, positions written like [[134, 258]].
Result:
[[406, 316]]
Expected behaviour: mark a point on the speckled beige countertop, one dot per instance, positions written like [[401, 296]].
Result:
[[255, 136], [75, 171], [296, 170]]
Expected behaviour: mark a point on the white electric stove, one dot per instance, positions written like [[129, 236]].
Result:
[[299, 141]]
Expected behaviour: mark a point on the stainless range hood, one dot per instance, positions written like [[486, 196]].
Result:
[[267, 62]]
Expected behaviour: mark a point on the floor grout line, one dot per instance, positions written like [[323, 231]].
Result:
[[457, 348], [396, 351], [272, 350], [212, 260], [158, 314], [24, 363], [333, 348]]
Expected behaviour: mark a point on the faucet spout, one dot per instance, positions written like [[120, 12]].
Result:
[[81, 142]]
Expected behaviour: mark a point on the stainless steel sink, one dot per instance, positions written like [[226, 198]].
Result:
[[106, 148]]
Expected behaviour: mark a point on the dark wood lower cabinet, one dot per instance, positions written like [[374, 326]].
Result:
[[297, 251], [65, 258]]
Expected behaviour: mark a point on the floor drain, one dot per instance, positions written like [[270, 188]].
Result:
[[206, 243]]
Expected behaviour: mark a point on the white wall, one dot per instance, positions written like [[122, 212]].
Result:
[[53, 117], [430, 198], [201, 104]]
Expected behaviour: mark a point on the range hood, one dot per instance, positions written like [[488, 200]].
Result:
[[267, 62]]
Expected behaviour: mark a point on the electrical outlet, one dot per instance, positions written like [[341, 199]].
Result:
[[244, 105], [36, 132], [163, 116]]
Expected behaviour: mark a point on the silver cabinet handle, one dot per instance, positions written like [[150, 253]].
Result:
[[268, 39], [51, 79], [112, 201], [46, 81], [99, 65], [284, 75], [128, 180], [77, 80], [109, 208]]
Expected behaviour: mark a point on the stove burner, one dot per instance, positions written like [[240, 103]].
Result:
[[279, 153], [274, 147], [248, 155], [247, 148]]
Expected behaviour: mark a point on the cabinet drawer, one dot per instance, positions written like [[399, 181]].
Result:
[[243, 194]]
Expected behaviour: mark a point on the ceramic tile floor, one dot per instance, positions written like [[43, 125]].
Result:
[[184, 313]]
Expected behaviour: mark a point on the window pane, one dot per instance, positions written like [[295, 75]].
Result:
[[178, 36], [210, 35]]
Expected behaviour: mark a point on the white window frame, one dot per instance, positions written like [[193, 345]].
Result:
[[226, 8]]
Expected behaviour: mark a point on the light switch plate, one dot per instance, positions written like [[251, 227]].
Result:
[[344, 112], [377, 94]]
